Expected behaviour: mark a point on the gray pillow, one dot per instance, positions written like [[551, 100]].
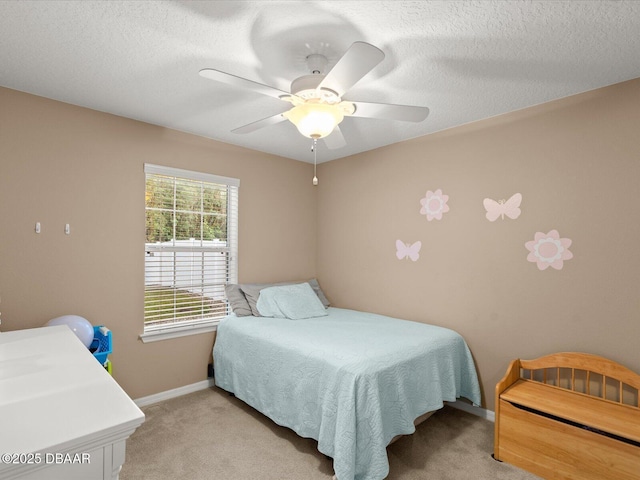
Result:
[[237, 300], [316, 288], [252, 293]]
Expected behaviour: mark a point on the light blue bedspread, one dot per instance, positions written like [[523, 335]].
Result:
[[350, 380]]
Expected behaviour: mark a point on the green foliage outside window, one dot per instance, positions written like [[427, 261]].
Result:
[[183, 209]]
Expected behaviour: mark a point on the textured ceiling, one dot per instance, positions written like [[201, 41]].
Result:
[[465, 60]]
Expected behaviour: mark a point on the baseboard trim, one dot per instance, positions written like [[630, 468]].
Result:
[[194, 387], [477, 411], [173, 393]]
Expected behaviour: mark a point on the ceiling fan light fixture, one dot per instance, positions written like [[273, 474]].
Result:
[[315, 120], [316, 98]]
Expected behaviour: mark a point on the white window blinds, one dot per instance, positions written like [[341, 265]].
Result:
[[191, 247]]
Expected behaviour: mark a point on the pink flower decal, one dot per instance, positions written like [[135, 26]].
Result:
[[434, 204], [549, 250]]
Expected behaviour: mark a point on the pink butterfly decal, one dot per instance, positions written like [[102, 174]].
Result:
[[510, 208], [404, 250]]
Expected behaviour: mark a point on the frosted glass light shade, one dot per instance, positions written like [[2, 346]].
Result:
[[315, 120]]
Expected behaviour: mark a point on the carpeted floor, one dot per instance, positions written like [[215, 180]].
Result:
[[212, 435]]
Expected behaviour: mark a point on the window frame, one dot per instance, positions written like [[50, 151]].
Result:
[[196, 326]]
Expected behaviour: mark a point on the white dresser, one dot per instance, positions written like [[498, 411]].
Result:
[[62, 416]]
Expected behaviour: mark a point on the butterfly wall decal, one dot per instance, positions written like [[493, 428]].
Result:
[[404, 250], [510, 208]]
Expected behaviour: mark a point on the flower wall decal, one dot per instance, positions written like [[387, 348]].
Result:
[[549, 250], [434, 204]]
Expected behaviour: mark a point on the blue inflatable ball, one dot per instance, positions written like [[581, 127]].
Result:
[[78, 325]]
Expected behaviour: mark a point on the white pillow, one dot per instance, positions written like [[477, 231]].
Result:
[[290, 301]]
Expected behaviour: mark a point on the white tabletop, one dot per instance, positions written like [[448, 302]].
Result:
[[55, 395]]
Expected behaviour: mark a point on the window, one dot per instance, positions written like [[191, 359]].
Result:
[[190, 250]]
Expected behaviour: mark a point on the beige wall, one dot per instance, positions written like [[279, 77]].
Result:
[[64, 164], [577, 164], [575, 161]]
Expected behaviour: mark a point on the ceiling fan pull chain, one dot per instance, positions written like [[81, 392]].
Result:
[[314, 147]]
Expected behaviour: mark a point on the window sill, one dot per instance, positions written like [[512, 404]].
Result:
[[176, 332]]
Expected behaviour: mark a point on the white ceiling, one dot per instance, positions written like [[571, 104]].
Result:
[[465, 60]]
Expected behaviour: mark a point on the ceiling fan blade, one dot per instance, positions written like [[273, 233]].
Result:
[[405, 113], [265, 122], [240, 82], [359, 60], [335, 139]]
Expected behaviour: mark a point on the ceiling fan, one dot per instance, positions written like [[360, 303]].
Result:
[[316, 99]]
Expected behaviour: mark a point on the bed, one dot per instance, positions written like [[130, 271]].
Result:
[[350, 380]]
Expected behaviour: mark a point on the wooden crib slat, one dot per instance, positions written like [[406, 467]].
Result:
[[620, 394]]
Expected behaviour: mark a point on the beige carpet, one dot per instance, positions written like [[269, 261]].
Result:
[[211, 435]]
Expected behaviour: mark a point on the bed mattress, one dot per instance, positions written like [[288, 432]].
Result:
[[350, 380]]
